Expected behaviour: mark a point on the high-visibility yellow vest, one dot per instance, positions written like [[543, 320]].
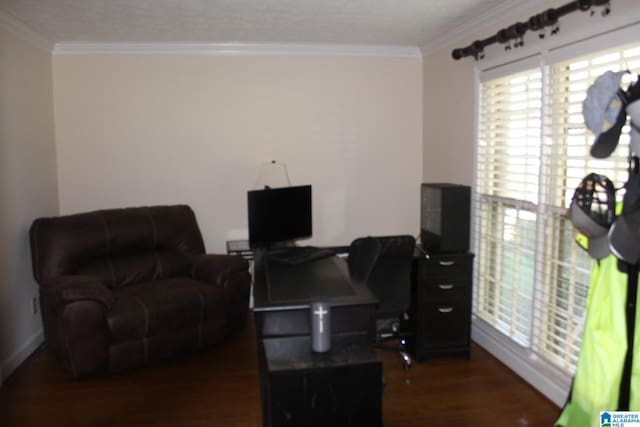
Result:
[[596, 385]]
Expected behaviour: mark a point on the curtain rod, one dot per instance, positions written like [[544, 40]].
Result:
[[535, 23]]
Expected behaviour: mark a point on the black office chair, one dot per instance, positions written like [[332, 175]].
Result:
[[384, 264]]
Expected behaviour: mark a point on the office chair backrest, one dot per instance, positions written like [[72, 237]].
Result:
[[384, 264]]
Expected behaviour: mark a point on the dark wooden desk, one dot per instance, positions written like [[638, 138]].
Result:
[[282, 294], [281, 298], [340, 388]]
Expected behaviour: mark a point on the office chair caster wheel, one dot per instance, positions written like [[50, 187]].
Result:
[[406, 361]]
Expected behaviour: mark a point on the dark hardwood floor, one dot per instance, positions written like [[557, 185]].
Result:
[[219, 387]]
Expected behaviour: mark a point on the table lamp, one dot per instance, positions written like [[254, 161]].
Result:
[[272, 175]]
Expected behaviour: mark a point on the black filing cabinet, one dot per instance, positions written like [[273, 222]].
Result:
[[440, 313]]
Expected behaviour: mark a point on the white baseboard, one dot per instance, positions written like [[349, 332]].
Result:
[[554, 385], [20, 355]]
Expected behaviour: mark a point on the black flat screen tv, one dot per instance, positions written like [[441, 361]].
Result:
[[279, 215]]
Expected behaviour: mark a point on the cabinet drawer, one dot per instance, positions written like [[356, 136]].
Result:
[[447, 266], [444, 324], [451, 289]]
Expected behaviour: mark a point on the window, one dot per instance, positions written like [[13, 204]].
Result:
[[532, 151], [507, 184]]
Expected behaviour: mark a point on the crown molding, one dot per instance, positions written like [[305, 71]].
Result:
[[236, 49], [468, 28], [17, 28]]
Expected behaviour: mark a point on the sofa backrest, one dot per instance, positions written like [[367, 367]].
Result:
[[117, 246]]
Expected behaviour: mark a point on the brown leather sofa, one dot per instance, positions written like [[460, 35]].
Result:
[[123, 287]]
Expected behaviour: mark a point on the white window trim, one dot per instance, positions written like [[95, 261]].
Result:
[[546, 378]]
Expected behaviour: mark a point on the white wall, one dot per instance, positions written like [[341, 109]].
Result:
[[448, 119], [28, 187], [136, 129]]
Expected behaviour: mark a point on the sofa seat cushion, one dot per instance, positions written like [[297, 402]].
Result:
[[164, 307]]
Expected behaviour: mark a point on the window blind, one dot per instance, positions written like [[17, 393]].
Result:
[[507, 194], [532, 151], [567, 141]]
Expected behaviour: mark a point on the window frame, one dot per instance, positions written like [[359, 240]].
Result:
[[547, 378]]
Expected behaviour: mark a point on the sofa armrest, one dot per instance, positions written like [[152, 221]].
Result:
[[232, 273], [218, 269], [63, 290], [74, 310]]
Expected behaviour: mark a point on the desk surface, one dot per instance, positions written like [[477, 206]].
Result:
[[294, 353], [287, 287]]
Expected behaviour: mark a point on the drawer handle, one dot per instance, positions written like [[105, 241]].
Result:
[[447, 263], [446, 286], [445, 309]]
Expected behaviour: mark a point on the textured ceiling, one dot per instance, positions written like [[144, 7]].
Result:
[[356, 22]]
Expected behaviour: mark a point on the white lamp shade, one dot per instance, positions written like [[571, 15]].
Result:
[[272, 175]]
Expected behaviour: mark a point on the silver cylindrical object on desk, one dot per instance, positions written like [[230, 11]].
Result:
[[320, 312]]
